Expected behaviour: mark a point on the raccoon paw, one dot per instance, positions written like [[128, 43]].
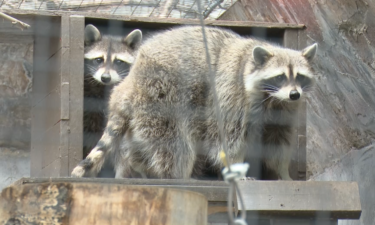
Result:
[[248, 179], [78, 171]]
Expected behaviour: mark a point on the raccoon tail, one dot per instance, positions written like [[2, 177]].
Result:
[[109, 142]]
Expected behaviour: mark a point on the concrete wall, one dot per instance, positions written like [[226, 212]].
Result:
[[15, 87]]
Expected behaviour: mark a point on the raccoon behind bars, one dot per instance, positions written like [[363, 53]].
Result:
[[107, 62], [162, 121]]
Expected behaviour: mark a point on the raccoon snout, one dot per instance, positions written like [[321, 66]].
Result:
[[294, 95], [106, 78]]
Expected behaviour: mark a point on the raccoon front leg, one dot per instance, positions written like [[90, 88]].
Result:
[[285, 158], [277, 158], [109, 142]]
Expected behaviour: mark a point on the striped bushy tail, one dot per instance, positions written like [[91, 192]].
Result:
[[109, 142]]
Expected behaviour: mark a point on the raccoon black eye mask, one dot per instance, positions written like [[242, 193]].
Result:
[[108, 58]]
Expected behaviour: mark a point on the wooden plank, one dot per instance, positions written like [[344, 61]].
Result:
[[12, 38], [143, 21], [335, 200], [64, 148], [51, 162], [235, 13], [299, 221], [213, 190], [290, 40], [76, 70], [47, 50], [46, 91], [65, 96], [302, 120]]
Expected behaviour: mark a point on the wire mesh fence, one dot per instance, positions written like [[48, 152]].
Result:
[[139, 8], [40, 57]]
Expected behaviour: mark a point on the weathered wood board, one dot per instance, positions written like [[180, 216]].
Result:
[[216, 192], [330, 200], [97, 203]]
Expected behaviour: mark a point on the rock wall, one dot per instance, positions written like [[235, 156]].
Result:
[[15, 89], [356, 166]]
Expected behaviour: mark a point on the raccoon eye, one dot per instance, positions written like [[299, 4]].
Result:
[[302, 80], [118, 62], [99, 60], [280, 78]]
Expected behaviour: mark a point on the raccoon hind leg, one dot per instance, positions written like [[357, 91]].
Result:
[[170, 159]]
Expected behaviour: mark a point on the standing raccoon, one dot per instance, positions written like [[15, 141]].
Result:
[[162, 119], [107, 62]]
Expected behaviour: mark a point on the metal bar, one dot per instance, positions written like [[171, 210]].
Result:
[[116, 7], [19, 6], [136, 8], [61, 4], [188, 11], [41, 4], [158, 5], [80, 5]]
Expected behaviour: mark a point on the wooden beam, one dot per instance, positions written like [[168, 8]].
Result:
[[45, 97], [76, 70], [142, 21], [324, 199], [213, 190]]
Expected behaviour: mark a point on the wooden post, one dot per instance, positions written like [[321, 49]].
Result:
[[45, 114], [298, 166], [57, 114], [76, 70]]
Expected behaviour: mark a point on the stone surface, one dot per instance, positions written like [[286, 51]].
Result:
[[357, 165], [14, 164], [15, 87]]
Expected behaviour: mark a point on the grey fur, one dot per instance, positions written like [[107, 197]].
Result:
[[161, 117]]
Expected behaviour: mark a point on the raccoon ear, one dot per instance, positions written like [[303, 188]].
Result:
[[261, 55], [133, 39], [309, 52], [92, 34]]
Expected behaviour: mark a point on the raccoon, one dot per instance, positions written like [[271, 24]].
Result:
[[107, 61], [162, 119]]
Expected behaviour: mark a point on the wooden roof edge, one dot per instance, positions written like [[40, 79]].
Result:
[[166, 21]]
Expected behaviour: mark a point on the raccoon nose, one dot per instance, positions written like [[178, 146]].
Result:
[[294, 95], [106, 78]]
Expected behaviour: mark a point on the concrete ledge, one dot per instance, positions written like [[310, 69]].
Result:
[[307, 199]]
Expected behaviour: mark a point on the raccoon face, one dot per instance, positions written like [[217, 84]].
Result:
[[284, 74], [108, 58]]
